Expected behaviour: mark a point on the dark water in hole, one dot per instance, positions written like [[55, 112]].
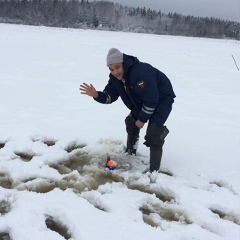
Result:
[[5, 181], [4, 207], [4, 236], [26, 157], [2, 145], [58, 227]]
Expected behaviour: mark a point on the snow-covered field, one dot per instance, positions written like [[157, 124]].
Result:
[[53, 140]]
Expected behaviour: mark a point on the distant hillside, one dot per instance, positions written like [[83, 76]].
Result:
[[114, 17]]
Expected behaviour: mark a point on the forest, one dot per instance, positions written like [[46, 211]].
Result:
[[105, 15]]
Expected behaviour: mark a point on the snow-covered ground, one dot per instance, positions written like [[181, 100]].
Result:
[[53, 140]]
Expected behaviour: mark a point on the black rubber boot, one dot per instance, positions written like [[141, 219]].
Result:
[[133, 135], [132, 144], [131, 151], [155, 158]]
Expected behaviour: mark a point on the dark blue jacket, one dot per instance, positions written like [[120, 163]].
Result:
[[147, 91]]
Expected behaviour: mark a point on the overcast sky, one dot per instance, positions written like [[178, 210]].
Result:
[[224, 9]]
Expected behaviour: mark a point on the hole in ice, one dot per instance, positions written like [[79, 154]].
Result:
[[2, 144], [28, 180], [4, 236], [226, 216], [48, 141], [58, 227], [40, 185], [149, 219], [25, 156], [73, 146], [60, 167], [78, 161], [75, 162], [5, 181], [162, 195], [5, 207], [219, 184], [95, 178], [153, 214], [91, 178]]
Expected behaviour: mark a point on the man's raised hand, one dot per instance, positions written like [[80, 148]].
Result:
[[88, 90]]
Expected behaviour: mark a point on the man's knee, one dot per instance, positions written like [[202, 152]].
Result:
[[155, 135], [131, 128]]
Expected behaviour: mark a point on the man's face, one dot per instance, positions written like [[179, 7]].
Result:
[[117, 70]]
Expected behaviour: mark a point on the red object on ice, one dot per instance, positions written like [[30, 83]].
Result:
[[111, 165]]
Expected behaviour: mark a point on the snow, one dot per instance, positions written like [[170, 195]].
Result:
[[54, 141]]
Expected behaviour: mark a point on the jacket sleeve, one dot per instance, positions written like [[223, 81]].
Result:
[[108, 95]]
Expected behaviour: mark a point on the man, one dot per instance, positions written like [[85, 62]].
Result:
[[147, 92]]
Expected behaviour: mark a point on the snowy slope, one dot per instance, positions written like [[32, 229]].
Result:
[[53, 140]]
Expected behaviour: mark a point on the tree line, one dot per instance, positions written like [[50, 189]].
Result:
[[114, 17]]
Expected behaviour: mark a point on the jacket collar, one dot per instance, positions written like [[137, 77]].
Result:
[[128, 62]]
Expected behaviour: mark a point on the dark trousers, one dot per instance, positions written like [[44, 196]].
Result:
[[133, 134], [154, 139]]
